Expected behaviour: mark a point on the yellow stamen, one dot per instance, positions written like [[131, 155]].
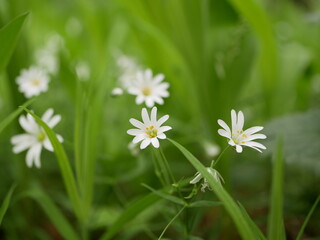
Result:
[[35, 82], [146, 91], [41, 136], [151, 131]]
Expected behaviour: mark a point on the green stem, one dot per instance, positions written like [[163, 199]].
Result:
[[213, 163], [157, 168], [174, 218]]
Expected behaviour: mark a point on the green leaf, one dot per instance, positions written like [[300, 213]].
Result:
[[275, 224], [6, 202], [253, 225], [165, 195], [130, 213], [64, 165], [242, 224], [261, 25], [313, 208], [53, 212], [204, 203], [9, 35], [13, 115]]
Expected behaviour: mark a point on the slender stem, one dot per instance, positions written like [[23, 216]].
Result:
[[213, 163], [167, 165], [174, 218], [157, 169]]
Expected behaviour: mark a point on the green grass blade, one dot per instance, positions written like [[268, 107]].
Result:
[[132, 211], [6, 202], [261, 25], [275, 224], [165, 195], [53, 212], [253, 225], [313, 208], [13, 115], [242, 224], [204, 203], [171, 221], [9, 35], [64, 165]]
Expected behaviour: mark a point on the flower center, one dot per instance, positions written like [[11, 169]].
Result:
[[41, 136], [151, 132], [238, 137], [146, 91], [35, 82]]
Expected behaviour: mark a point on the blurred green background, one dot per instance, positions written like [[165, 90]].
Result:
[[261, 57]]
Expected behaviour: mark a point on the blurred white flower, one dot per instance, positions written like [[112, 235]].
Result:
[[150, 130], [73, 27], [211, 149], [35, 137], [128, 70], [198, 176], [116, 92], [47, 60], [149, 89], [32, 81], [83, 70], [133, 148], [237, 137]]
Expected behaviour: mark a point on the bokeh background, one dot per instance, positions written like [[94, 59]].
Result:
[[261, 57]]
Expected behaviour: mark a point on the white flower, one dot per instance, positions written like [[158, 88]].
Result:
[[198, 176], [211, 149], [149, 89], [128, 70], [47, 60], [116, 92], [32, 81], [35, 137], [83, 70], [237, 137], [150, 130]]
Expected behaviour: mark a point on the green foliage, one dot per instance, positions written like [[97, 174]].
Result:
[[6, 202], [9, 35]]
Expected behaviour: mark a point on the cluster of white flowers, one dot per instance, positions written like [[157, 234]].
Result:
[[147, 88], [35, 79]]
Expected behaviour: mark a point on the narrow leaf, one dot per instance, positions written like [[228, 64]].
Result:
[[313, 208], [9, 35], [13, 115], [6, 202], [275, 224], [130, 213], [204, 203], [64, 165], [53, 212], [165, 195]]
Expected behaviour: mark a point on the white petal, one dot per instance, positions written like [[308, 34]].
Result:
[[154, 115], [240, 121], [161, 136], [238, 148], [145, 116], [145, 143], [234, 120], [155, 142], [164, 129], [28, 124], [162, 120], [252, 130], [137, 123], [47, 145], [138, 138], [256, 136], [60, 138], [148, 74], [196, 179], [140, 99], [33, 155], [134, 132], [224, 133], [158, 78], [54, 121], [149, 102], [224, 125], [47, 115], [231, 142], [158, 100], [254, 144]]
